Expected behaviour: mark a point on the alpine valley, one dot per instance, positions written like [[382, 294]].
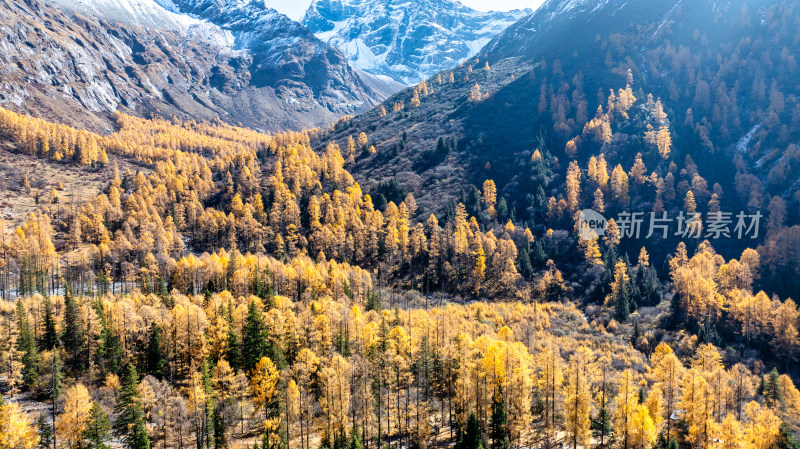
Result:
[[399, 224]]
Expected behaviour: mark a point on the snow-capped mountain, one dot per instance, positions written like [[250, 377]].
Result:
[[406, 41], [704, 59], [238, 60]]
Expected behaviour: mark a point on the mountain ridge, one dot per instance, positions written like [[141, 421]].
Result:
[[405, 41], [97, 57], [546, 76]]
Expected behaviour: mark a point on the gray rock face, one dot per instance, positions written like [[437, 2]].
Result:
[[406, 41], [78, 61]]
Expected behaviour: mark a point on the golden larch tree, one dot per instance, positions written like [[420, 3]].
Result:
[[72, 422], [578, 404]]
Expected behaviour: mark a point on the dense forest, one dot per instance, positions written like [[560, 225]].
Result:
[[238, 289], [679, 97]]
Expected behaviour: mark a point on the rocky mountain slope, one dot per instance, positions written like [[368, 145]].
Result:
[[722, 70], [405, 41], [79, 61]]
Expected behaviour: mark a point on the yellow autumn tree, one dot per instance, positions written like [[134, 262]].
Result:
[[627, 404], [619, 185], [549, 379], [578, 404], [335, 398], [643, 430], [696, 405], [599, 204], [415, 99], [764, 427], [72, 422], [490, 197], [17, 430], [475, 93], [732, 434], [666, 371], [362, 139], [263, 388], [663, 142], [573, 186]]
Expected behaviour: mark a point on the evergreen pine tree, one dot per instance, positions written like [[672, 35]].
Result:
[[109, 352], [622, 305], [126, 401], [342, 342], [498, 427], [210, 406], [539, 255], [524, 262], [49, 336], [772, 389], [373, 302], [265, 444], [677, 314], [139, 439], [673, 443], [97, 430], [502, 210], [233, 353], [163, 292], [786, 439], [637, 332], [708, 333], [340, 439], [56, 389], [45, 432], [254, 338], [155, 360], [220, 428], [355, 440], [601, 424], [73, 335], [130, 424], [602, 288], [26, 344], [472, 436], [649, 287]]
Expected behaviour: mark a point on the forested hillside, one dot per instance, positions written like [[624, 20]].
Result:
[[702, 91], [79, 61], [231, 289], [425, 274]]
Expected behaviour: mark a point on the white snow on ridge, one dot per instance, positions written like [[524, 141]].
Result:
[[144, 13], [476, 45], [154, 15], [407, 41]]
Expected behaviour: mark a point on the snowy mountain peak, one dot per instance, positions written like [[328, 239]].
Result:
[[145, 13], [405, 40], [238, 60]]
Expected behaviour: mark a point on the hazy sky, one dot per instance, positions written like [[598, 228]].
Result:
[[296, 8]]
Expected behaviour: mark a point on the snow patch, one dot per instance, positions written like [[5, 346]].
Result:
[[741, 145], [144, 13]]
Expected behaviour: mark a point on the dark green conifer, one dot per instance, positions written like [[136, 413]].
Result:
[[96, 434], [49, 336], [498, 428], [73, 335], [130, 422], [154, 357]]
